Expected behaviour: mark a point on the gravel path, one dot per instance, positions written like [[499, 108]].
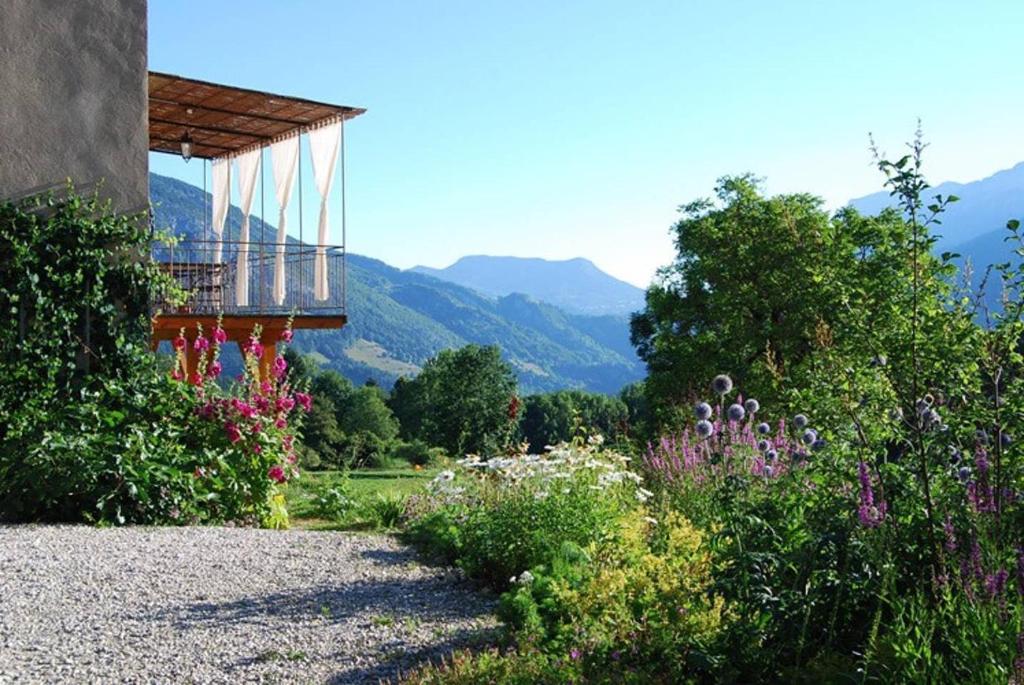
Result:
[[222, 605]]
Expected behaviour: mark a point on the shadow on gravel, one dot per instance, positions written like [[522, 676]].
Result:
[[401, 660], [425, 599], [391, 557]]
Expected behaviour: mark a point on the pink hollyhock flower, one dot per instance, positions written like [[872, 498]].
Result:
[[280, 366], [196, 378], [257, 449], [285, 404], [206, 411], [277, 474], [281, 423], [304, 400], [213, 370], [202, 344], [234, 435], [291, 459], [266, 388], [200, 472], [288, 443], [178, 374], [253, 347], [179, 342], [262, 404], [286, 335], [220, 336]]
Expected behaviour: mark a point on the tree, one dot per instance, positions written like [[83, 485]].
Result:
[[460, 401], [759, 284], [555, 417]]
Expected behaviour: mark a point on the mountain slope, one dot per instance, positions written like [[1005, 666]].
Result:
[[575, 285], [399, 319], [984, 205], [974, 226]]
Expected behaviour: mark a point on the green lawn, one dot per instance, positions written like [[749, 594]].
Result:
[[365, 487]]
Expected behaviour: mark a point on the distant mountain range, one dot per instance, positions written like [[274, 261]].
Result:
[[975, 226], [575, 285], [399, 319]]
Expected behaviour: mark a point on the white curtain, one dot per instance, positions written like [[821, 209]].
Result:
[[284, 157], [221, 200], [248, 170], [324, 143]]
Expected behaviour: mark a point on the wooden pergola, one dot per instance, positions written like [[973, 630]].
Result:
[[222, 121]]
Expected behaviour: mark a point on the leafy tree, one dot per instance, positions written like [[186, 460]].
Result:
[[460, 401], [759, 284], [554, 417]]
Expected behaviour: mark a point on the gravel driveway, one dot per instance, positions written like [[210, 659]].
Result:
[[222, 605]]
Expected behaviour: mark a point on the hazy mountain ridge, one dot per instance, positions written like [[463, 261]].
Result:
[[975, 226], [575, 285], [399, 319]]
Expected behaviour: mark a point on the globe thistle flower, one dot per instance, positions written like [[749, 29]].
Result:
[[964, 474], [800, 421], [809, 436], [703, 411], [922, 407], [763, 445], [818, 444], [752, 406], [981, 436], [879, 360], [771, 455], [954, 455], [768, 471], [722, 384], [736, 412], [1005, 439], [763, 428], [705, 428], [895, 414]]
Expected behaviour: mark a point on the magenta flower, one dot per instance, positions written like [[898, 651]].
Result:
[[280, 366], [281, 423], [253, 347], [196, 378], [266, 388], [285, 404], [257, 449], [575, 654], [202, 344], [276, 473], [220, 336], [234, 435], [178, 374], [179, 342], [304, 400], [870, 514], [213, 370], [286, 335]]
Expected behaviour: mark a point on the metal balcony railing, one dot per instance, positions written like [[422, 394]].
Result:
[[211, 281]]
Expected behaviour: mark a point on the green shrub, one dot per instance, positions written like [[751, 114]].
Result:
[[92, 428], [417, 453], [513, 513], [385, 510], [334, 501]]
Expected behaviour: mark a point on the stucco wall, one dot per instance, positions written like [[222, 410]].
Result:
[[73, 97]]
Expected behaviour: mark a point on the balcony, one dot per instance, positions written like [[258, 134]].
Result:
[[208, 272]]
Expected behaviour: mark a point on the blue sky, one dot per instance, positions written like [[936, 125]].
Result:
[[565, 129]]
